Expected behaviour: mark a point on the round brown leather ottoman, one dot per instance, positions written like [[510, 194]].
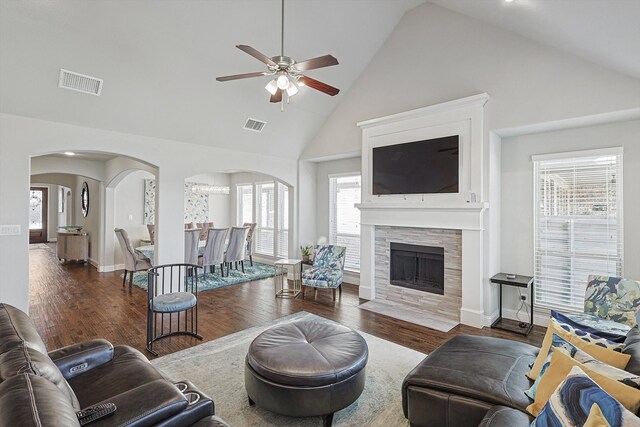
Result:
[[306, 368]]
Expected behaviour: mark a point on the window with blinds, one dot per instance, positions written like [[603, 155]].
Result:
[[283, 221], [344, 217], [265, 218], [578, 224], [245, 203]]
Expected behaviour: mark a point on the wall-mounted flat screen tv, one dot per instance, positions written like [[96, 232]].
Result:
[[420, 167]]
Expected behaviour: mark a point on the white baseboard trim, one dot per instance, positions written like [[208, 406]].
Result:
[[473, 318], [364, 292], [352, 277], [110, 268]]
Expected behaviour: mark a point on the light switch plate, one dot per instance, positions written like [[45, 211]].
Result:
[[9, 230]]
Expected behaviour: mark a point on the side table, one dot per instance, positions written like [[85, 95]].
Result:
[[283, 290], [520, 282]]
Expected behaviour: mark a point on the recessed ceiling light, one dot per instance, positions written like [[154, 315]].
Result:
[[69, 153]]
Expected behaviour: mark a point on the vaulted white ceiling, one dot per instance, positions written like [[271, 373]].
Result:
[[159, 60], [606, 32]]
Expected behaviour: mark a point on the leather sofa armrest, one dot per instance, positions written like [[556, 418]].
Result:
[[502, 416], [146, 405], [82, 357]]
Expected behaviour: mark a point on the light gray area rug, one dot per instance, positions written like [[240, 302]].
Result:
[[410, 315], [217, 368]]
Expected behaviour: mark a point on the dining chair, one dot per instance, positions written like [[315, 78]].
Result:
[[191, 241], [134, 260], [252, 228], [204, 226], [189, 226], [235, 250], [152, 233], [214, 249]]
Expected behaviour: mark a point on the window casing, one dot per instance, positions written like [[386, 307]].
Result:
[[344, 217], [268, 203], [578, 224]]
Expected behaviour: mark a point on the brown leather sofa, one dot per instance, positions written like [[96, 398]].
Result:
[[479, 381], [46, 389]]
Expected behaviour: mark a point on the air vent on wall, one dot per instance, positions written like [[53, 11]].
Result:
[[80, 82], [254, 125]]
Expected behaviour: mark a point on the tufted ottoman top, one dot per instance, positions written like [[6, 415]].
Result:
[[308, 353]]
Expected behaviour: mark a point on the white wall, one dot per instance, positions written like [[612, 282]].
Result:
[[91, 223], [129, 210], [23, 137], [517, 190]]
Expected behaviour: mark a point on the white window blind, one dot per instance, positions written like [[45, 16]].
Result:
[[344, 217], [283, 220], [245, 203], [265, 215], [578, 224]]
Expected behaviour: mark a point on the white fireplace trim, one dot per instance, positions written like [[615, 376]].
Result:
[[450, 211]]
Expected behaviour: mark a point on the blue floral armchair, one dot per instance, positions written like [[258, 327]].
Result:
[[327, 271]]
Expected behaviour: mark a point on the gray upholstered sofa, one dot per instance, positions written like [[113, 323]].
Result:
[[473, 380], [40, 388]]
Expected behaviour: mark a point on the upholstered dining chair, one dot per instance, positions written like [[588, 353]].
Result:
[[327, 271], [235, 249], [252, 228], [133, 260], [152, 233], [214, 249], [204, 226], [191, 241]]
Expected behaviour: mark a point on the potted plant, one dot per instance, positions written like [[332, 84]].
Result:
[[306, 252]]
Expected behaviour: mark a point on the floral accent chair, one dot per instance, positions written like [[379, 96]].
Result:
[[613, 298], [327, 271]]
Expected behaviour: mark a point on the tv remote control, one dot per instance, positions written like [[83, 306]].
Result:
[[95, 412]]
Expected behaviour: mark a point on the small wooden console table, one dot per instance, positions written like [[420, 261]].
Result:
[[520, 282]]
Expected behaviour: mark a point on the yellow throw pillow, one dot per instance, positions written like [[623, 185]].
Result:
[[559, 368], [610, 357], [596, 418]]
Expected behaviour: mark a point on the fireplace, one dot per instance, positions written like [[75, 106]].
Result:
[[417, 267]]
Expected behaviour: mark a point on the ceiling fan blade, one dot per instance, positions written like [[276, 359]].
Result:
[[276, 97], [258, 55], [319, 62], [317, 85], [241, 76]]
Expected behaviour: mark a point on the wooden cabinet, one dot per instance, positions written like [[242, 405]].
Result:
[[73, 246]]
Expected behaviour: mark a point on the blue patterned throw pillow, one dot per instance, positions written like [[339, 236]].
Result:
[[590, 338], [571, 402], [604, 328]]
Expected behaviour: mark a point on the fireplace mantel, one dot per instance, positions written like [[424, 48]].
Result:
[[455, 211]]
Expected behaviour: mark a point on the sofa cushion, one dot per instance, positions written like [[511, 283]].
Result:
[[486, 369], [28, 400], [16, 328], [26, 360], [128, 369], [502, 416]]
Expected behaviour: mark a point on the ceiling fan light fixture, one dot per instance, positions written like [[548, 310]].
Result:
[[283, 81], [292, 89], [272, 87]]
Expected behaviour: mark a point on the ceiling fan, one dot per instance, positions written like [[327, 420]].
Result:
[[288, 77]]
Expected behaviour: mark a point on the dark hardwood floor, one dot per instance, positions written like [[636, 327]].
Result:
[[73, 302]]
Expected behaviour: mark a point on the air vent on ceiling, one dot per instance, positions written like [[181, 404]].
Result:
[[80, 82], [254, 125]]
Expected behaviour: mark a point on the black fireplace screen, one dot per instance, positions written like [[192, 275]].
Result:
[[417, 267]]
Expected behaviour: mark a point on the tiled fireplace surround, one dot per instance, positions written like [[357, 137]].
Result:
[[452, 221]]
